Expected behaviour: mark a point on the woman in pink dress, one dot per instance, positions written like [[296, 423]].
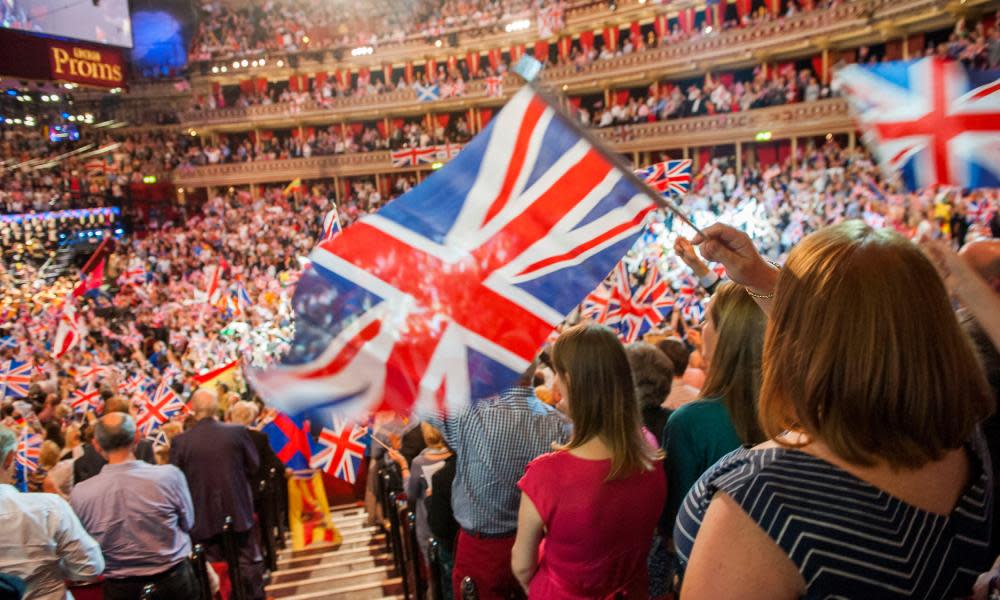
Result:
[[589, 509]]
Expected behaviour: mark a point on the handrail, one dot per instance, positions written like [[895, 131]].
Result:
[[437, 573], [231, 552]]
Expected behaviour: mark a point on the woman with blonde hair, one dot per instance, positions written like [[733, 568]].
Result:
[[875, 480], [597, 499], [724, 416]]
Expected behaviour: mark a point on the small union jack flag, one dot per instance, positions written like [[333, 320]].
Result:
[[595, 305], [164, 405], [494, 86], [668, 177], [29, 450], [86, 398], [411, 157], [15, 379], [635, 311], [341, 450], [931, 119], [331, 224]]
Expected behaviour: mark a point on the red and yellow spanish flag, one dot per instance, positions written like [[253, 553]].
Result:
[[225, 374]]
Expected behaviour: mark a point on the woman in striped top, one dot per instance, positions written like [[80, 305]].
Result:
[[874, 483]]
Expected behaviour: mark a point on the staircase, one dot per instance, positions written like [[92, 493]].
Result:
[[359, 567]]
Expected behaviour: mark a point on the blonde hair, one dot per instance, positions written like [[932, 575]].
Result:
[[735, 373], [48, 455], [432, 436], [593, 363], [864, 352]]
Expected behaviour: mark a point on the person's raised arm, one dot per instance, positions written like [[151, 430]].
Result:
[[744, 265], [963, 280]]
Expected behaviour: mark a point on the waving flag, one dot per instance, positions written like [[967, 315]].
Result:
[[668, 177], [288, 440], [341, 450], [67, 332], [931, 119], [15, 379], [494, 86], [87, 398], [134, 275], [241, 298], [595, 305], [156, 412], [446, 293], [92, 280], [636, 311], [411, 157], [93, 373], [29, 450], [331, 224]]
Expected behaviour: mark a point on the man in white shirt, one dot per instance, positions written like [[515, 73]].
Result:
[[43, 542]]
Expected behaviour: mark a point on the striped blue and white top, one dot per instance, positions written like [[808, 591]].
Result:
[[848, 538]]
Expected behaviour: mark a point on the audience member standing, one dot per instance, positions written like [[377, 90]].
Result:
[[652, 373], [680, 392], [91, 462], [140, 514], [874, 483], [494, 440], [41, 539], [219, 460], [725, 417], [596, 501]]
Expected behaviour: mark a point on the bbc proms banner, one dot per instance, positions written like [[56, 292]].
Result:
[[35, 57]]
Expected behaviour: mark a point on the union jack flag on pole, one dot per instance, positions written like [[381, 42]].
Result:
[[446, 293], [15, 379], [331, 224], [668, 177], [932, 120], [636, 311], [29, 450], [341, 451], [154, 413], [86, 398]]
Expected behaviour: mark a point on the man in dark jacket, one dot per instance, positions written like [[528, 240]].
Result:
[[219, 461], [92, 462]]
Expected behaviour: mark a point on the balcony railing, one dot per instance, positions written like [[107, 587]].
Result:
[[782, 122], [797, 35]]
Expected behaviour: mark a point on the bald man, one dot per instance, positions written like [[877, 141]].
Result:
[[219, 460], [156, 505]]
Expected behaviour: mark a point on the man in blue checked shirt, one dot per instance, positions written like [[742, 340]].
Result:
[[494, 440]]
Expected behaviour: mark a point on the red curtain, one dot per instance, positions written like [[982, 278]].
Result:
[[575, 102], [408, 73], [431, 71], [916, 45], [516, 52], [565, 45], [743, 8], [661, 25], [472, 61], [894, 50], [848, 56], [494, 56], [387, 74], [686, 19], [704, 156], [320, 79], [485, 114], [636, 32], [817, 66], [587, 39], [610, 35], [621, 97], [355, 128], [261, 84], [542, 50], [443, 120], [774, 6], [452, 63], [382, 131], [246, 86]]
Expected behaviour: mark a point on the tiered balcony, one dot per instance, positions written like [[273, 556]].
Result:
[[783, 122]]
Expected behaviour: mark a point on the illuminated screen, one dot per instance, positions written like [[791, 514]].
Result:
[[63, 133], [101, 21]]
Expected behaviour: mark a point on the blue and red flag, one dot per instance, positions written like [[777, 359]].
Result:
[[446, 293], [933, 120], [636, 309], [331, 225], [289, 440], [158, 410], [29, 449], [15, 379]]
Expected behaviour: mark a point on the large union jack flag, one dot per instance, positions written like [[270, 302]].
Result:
[[156, 412], [446, 293], [668, 177], [931, 120], [341, 450], [15, 379]]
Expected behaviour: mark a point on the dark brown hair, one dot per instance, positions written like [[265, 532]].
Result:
[[864, 352], [734, 374], [591, 361]]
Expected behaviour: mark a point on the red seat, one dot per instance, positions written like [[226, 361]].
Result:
[[87, 591]]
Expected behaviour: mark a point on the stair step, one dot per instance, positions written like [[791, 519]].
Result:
[[360, 541], [362, 562], [365, 591], [328, 582], [330, 558]]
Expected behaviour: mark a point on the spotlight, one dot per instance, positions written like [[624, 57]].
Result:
[[263, 62], [281, 63], [253, 64], [245, 63], [305, 39], [438, 43], [236, 64], [215, 69], [224, 68]]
